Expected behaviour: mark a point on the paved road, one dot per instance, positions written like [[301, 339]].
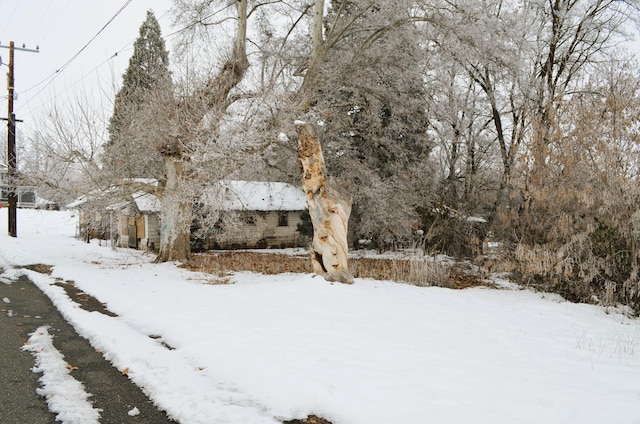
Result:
[[112, 392]]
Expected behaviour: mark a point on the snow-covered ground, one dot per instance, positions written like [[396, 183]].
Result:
[[270, 348]]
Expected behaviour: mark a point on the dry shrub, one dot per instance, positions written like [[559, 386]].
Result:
[[574, 217], [41, 268], [422, 271], [594, 262]]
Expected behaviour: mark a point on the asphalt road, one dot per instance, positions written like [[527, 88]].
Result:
[[112, 392]]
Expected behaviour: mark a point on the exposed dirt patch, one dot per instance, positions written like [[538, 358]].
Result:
[[162, 342], [86, 301], [41, 268], [311, 419], [402, 270]]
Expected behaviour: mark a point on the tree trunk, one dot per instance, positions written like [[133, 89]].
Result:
[[176, 216], [329, 208], [214, 99]]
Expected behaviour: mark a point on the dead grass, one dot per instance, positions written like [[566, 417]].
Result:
[[420, 272], [311, 419], [221, 263], [41, 268]]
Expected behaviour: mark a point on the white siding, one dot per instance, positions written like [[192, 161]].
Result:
[[264, 233]]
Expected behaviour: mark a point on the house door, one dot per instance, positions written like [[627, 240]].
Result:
[[133, 232]]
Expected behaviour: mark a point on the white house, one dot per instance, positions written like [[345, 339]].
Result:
[[268, 214], [25, 196]]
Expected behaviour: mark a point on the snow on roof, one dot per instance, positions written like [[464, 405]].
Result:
[[78, 202], [117, 206], [256, 196], [146, 202], [112, 192], [225, 195], [92, 196]]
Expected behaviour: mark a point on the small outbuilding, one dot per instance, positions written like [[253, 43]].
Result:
[[135, 223]]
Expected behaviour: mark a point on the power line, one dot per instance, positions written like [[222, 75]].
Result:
[[10, 16], [50, 78], [57, 72], [82, 78], [52, 23]]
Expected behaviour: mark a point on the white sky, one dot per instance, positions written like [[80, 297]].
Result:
[[61, 28]]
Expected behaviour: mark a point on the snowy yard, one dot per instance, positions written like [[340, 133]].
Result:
[[270, 348]]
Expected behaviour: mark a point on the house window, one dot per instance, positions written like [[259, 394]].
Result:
[[27, 197], [283, 219]]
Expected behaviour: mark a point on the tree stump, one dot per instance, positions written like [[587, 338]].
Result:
[[329, 208]]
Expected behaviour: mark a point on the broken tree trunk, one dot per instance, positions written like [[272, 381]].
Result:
[[329, 208]]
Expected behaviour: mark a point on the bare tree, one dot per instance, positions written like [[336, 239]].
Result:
[[195, 116], [582, 232], [572, 36], [526, 59], [62, 155]]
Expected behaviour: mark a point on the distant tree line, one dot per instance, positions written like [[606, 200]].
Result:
[[450, 122]]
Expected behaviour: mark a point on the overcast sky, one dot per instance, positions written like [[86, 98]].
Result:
[[61, 29], [78, 41]]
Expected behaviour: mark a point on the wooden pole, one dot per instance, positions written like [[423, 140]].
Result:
[[12, 164], [11, 149]]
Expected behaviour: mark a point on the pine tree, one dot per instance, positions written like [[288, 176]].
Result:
[[147, 73]]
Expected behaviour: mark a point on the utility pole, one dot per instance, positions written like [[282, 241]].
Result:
[[12, 164]]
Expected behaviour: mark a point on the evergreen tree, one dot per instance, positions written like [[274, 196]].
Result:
[[147, 75]]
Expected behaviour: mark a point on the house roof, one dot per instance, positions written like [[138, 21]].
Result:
[[256, 196], [93, 196], [78, 202], [146, 202], [225, 195], [115, 192]]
